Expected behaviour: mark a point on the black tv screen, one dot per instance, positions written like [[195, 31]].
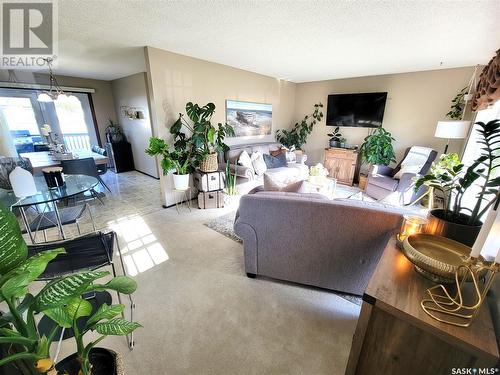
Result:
[[361, 110]]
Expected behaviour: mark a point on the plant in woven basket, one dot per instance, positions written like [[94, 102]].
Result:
[[206, 139], [297, 136], [377, 148]]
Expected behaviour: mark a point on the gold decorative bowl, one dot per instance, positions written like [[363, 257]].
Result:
[[434, 257]]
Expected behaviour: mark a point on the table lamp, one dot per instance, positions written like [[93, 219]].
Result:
[[454, 129]]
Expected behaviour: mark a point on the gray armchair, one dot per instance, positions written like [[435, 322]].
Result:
[[381, 182]]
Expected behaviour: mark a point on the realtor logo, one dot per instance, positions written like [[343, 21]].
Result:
[[28, 32]]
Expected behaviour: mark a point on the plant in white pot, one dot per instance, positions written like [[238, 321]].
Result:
[[453, 179], [179, 160], [206, 140]]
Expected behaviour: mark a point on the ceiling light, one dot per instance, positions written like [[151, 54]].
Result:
[[54, 89]]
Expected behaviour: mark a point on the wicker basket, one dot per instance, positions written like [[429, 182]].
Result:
[[209, 163]]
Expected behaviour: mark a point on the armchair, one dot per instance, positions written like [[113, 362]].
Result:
[[383, 180]]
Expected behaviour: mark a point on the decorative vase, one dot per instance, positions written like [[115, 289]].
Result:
[[334, 144], [22, 182], [103, 362], [462, 233], [209, 163], [181, 181]]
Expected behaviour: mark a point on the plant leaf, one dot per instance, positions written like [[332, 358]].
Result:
[[116, 327], [60, 291], [105, 311], [13, 249]]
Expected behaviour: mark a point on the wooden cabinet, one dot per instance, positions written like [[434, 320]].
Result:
[[395, 336], [341, 164]]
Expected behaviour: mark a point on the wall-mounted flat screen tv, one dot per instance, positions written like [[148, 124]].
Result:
[[360, 110]]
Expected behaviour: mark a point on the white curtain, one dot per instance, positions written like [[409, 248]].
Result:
[[6, 143]]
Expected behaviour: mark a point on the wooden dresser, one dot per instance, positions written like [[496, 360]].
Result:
[[395, 336], [341, 164]]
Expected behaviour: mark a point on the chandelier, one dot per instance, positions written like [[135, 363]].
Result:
[[55, 91]]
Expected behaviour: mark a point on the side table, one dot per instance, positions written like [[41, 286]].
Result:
[[182, 196]]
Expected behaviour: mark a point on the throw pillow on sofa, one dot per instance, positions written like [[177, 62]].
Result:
[[275, 161], [259, 165], [245, 161], [291, 187]]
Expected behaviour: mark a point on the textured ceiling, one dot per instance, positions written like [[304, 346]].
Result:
[[294, 40]]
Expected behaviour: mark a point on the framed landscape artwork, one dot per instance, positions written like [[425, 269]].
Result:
[[249, 119]]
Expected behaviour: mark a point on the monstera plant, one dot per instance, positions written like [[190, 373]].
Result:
[[206, 140], [21, 345]]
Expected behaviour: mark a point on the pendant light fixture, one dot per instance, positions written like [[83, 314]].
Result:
[[55, 91]]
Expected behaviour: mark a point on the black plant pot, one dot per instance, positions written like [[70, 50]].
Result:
[[460, 232], [334, 144], [103, 362]]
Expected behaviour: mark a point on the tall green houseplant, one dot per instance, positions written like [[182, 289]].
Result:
[[377, 148], [206, 140], [296, 138]]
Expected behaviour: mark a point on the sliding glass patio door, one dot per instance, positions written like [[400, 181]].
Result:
[[71, 118]]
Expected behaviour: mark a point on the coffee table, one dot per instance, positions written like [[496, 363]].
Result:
[[321, 185]]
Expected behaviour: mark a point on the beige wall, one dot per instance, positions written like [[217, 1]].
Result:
[[131, 92], [175, 80], [416, 101], [102, 98]]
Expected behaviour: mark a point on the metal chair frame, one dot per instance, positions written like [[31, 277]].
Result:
[[110, 262]]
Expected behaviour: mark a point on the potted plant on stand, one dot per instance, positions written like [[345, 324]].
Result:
[[178, 160], [206, 140], [296, 138], [449, 176], [335, 138]]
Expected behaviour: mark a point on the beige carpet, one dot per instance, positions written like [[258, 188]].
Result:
[[201, 314]]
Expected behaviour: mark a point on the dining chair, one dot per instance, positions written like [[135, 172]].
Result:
[[85, 166], [86, 253], [101, 168], [7, 165], [43, 219]]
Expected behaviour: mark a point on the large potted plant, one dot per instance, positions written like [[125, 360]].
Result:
[[206, 139], [377, 148], [452, 179], [24, 351], [178, 160], [296, 138]]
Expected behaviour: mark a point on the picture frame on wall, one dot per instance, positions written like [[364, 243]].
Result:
[[248, 118]]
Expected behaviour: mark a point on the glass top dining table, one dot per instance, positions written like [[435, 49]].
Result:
[[74, 184], [48, 197]]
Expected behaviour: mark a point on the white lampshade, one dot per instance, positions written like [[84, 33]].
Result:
[[455, 129], [44, 98]]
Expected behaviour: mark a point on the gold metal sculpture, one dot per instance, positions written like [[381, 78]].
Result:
[[459, 308]]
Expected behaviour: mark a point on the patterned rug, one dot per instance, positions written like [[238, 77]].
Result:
[[224, 226]]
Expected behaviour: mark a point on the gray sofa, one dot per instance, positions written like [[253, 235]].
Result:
[[296, 170], [307, 239]]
